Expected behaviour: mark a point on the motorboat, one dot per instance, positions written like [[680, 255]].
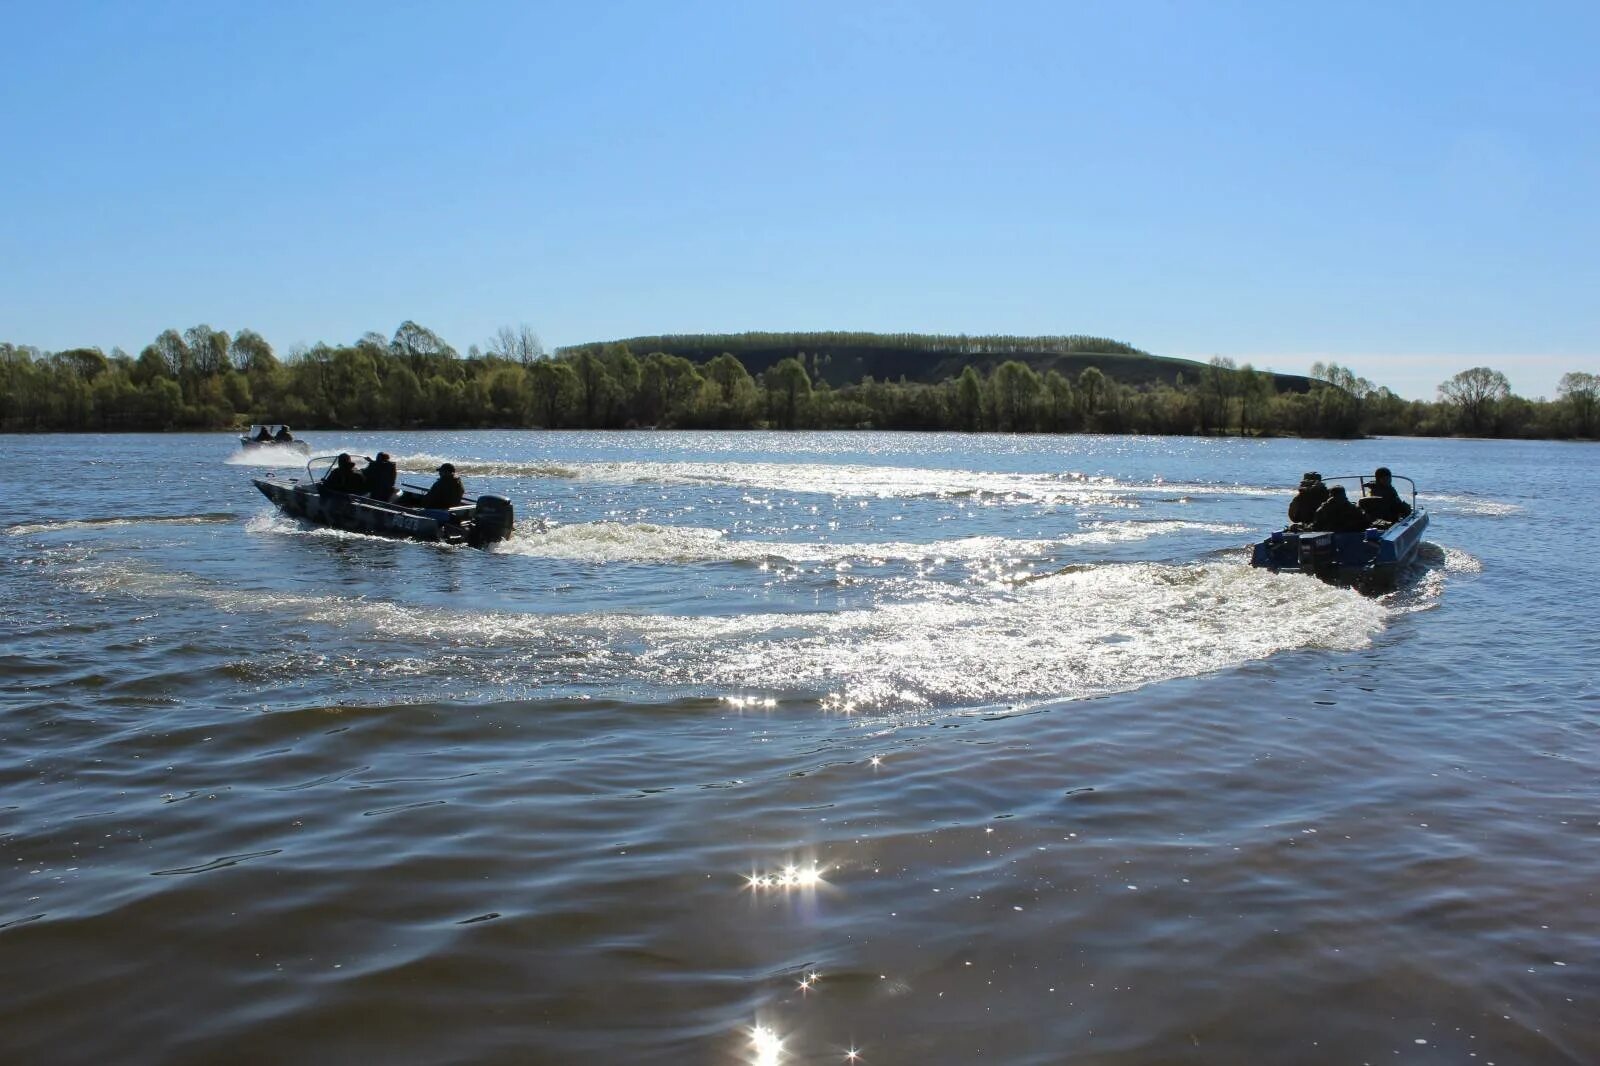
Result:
[[268, 438], [1371, 558], [486, 520]]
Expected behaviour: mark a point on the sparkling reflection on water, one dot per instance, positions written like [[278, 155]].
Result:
[[796, 748]]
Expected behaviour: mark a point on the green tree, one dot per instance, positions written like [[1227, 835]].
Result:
[[668, 385], [555, 391], [1475, 393], [788, 391], [596, 388], [510, 395], [1580, 392], [1060, 402], [1016, 391], [208, 349], [733, 395], [175, 354], [1255, 397], [969, 400], [251, 353], [419, 345], [1092, 390]]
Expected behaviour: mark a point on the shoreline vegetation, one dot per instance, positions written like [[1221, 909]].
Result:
[[207, 379]]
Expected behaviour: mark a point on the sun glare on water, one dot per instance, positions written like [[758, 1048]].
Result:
[[790, 876], [767, 1046]]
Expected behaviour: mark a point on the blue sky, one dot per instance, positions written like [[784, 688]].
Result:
[[1406, 189]]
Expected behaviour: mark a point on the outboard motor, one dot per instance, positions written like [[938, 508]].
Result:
[[492, 520], [1317, 555]]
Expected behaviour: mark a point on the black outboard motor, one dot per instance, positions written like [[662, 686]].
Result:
[[492, 519], [1317, 555]]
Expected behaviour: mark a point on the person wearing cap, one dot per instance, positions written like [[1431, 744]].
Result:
[[1338, 514], [447, 491], [1311, 495], [344, 477], [1388, 505], [380, 474]]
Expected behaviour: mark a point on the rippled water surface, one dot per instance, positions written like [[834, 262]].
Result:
[[790, 748]]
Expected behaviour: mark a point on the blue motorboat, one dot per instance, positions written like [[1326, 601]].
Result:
[[1371, 558], [484, 521]]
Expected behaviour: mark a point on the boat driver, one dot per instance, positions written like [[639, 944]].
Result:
[[283, 436], [344, 477], [1388, 505], [264, 436], [447, 491]]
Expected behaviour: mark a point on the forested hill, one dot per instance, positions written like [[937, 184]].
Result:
[[842, 358]]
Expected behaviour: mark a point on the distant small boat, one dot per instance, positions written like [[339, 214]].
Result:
[[486, 520], [250, 440], [1369, 558]]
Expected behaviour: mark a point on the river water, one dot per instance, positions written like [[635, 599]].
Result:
[[797, 748]]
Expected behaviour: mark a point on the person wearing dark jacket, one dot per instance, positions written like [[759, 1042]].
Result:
[[379, 475], [283, 436], [1338, 514], [1311, 495], [447, 491], [1388, 506], [263, 437], [344, 477]]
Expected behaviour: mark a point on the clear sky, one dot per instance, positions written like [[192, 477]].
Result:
[[1407, 189]]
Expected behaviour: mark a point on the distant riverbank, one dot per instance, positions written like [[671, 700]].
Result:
[[205, 379]]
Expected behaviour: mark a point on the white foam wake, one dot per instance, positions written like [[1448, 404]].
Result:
[[1094, 630], [841, 479], [28, 529], [607, 542]]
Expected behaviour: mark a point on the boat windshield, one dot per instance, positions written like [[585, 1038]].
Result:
[[1360, 482], [317, 467]]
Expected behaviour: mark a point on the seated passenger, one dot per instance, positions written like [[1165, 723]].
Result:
[[344, 477], [1311, 495], [264, 436], [1383, 499], [283, 436], [1338, 514], [379, 475]]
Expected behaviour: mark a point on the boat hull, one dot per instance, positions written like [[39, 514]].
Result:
[[1370, 558], [486, 521]]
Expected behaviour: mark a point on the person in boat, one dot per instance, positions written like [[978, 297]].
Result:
[[263, 437], [447, 491], [379, 475], [283, 436], [1311, 495], [444, 493], [344, 477], [1383, 499], [1338, 515]]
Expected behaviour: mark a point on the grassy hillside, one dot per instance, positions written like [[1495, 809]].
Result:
[[845, 358]]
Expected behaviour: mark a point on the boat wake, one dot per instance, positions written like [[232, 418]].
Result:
[[609, 542], [272, 458], [28, 529], [1091, 630], [850, 480]]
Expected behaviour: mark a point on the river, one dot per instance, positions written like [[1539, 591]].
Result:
[[797, 748]]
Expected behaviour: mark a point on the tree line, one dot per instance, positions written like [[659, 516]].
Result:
[[206, 379]]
